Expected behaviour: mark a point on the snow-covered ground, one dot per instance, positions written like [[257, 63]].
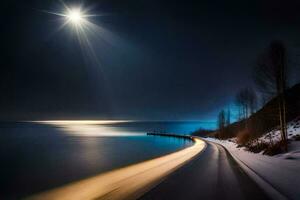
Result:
[[281, 172], [293, 130]]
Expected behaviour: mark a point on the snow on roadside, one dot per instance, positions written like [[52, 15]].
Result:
[[293, 130], [281, 171]]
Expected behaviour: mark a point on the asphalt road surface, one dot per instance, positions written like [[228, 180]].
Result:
[[213, 174]]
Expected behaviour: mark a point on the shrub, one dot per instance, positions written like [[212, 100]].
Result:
[[274, 149], [256, 147], [243, 137], [297, 137]]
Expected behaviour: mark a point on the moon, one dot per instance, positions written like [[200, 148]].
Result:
[[75, 16]]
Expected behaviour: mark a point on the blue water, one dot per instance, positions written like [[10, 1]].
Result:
[[176, 127], [36, 157]]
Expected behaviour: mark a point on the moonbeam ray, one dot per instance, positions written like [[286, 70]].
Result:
[[89, 34]]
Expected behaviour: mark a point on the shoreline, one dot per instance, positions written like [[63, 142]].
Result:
[[128, 182]]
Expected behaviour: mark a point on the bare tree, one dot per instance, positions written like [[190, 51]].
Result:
[[252, 100], [221, 122], [246, 101], [239, 101], [228, 117], [271, 77]]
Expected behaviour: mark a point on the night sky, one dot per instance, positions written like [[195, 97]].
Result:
[[164, 60]]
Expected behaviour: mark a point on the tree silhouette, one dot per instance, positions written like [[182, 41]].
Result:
[[221, 122], [270, 75], [246, 100]]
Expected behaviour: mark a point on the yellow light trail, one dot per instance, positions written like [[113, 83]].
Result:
[[125, 183]]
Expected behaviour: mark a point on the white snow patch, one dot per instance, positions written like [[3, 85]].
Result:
[[293, 130], [281, 171]]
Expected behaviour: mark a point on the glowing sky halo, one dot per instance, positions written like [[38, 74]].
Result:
[[92, 38], [82, 30], [75, 16], [78, 20]]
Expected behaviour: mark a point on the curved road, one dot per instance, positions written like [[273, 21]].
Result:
[[192, 173], [213, 174], [125, 183]]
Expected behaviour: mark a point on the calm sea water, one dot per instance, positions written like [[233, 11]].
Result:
[[37, 157]]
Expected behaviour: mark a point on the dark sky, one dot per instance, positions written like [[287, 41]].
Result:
[[165, 60]]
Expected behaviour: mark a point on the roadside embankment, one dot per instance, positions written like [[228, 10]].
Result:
[[278, 176]]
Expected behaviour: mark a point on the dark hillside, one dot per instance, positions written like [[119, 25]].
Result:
[[265, 119]]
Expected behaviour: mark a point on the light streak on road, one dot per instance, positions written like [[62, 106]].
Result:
[[125, 183]]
